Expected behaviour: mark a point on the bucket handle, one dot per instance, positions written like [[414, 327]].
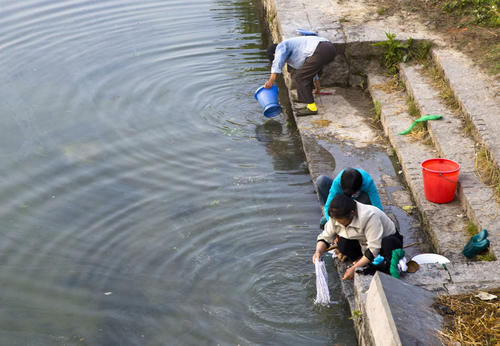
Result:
[[451, 181]]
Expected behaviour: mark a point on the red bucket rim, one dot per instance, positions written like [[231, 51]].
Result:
[[440, 159]]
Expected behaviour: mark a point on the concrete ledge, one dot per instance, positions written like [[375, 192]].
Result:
[[361, 322], [394, 312], [381, 322]]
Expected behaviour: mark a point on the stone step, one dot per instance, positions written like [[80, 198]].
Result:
[[477, 94], [451, 142], [456, 278], [444, 222]]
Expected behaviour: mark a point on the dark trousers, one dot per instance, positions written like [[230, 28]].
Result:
[[352, 249], [303, 77]]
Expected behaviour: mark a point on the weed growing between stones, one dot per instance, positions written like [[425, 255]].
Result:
[[443, 87], [377, 108], [392, 85], [420, 133], [487, 169], [356, 314], [471, 228], [396, 51], [412, 108], [469, 127], [486, 256]]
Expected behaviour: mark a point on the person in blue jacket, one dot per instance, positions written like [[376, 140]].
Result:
[[353, 182]]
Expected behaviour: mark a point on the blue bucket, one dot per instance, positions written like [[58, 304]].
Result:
[[307, 32], [268, 99]]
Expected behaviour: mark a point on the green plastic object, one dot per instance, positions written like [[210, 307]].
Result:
[[480, 236], [397, 254], [476, 244], [421, 119]]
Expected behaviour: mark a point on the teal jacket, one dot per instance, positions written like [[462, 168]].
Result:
[[367, 186]]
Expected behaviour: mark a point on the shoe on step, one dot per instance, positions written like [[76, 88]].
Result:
[[472, 245], [471, 249], [480, 236], [305, 111]]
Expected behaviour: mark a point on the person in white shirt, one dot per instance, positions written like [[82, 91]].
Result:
[[361, 233]]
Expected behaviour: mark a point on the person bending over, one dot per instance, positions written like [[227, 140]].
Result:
[[353, 182], [361, 232], [306, 55]]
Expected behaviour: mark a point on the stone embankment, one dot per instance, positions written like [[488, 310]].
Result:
[[385, 310]]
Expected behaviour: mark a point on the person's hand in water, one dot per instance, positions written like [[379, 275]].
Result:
[[320, 249], [316, 256]]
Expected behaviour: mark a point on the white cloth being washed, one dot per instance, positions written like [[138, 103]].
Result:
[[322, 292]]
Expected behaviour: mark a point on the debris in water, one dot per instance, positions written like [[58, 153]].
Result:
[[408, 208]]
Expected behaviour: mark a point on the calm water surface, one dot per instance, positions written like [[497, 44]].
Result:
[[144, 199]]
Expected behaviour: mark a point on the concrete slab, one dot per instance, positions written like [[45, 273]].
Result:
[[343, 117], [409, 314], [432, 277], [455, 278], [473, 276]]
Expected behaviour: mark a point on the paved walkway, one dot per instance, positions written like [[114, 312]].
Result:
[[345, 130]]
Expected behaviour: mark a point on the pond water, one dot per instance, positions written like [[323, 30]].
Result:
[[144, 199]]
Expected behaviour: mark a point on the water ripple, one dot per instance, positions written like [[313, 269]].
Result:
[[144, 199]]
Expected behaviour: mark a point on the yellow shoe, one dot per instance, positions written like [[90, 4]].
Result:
[[312, 107]]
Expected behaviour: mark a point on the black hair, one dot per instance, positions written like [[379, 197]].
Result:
[[270, 51], [341, 206], [350, 181]]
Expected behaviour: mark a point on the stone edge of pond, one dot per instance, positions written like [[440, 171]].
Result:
[[441, 221]]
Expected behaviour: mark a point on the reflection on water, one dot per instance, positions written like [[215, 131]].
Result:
[[144, 199], [284, 148]]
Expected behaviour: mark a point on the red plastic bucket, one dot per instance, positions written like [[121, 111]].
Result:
[[440, 179]]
